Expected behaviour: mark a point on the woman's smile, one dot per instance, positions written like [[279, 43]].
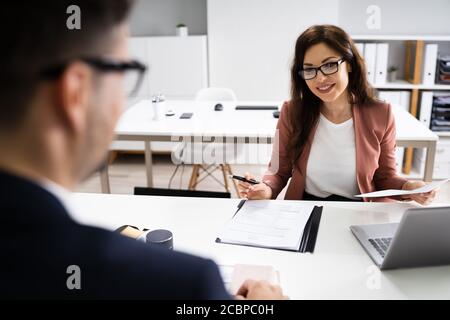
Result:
[[325, 88]]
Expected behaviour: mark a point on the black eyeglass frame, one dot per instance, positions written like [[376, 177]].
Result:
[[103, 65], [337, 63]]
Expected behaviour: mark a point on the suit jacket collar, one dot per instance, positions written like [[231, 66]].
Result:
[[24, 202]]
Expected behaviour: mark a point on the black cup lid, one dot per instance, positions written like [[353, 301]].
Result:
[[159, 236]]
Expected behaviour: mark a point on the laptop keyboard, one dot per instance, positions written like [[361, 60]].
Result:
[[381, 245]]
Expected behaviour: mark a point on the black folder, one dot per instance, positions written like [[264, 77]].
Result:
[[309, 236], [256, 107]]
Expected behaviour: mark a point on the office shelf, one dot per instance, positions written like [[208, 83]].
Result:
[[412, 81], [405, 85], [434, 87], [401, 37]]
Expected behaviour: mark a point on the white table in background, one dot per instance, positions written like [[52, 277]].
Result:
[[257, 126], [412, 133], [339, 268]]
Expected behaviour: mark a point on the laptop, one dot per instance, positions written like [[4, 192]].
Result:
[[422, 238]]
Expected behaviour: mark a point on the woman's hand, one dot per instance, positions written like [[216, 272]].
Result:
[[258, 191], [422, 198]]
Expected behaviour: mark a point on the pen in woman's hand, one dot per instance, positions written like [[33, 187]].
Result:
[[251, 181]]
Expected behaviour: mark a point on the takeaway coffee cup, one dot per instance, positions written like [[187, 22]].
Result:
[[160, 237]]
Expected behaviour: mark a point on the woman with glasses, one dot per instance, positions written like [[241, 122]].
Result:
[[334, 139]]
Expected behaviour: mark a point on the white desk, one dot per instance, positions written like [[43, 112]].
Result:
[[253, 126], [412, 133], [338, 269]]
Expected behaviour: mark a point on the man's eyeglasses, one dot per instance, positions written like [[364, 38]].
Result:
[[133, 70], [327, 69]]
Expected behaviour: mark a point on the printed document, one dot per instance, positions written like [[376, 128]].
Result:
[[394, 192], [269, 224]]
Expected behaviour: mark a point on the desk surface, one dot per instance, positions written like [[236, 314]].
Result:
[[338, 269], [137, 121]]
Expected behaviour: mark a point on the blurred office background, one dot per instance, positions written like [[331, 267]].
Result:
[[248, 45]]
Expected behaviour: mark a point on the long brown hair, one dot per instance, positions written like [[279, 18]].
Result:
[[305, 105]]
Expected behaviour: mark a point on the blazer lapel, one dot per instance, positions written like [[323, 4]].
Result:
[[359, 149]]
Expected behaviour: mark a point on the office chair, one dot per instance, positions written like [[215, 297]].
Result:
[[184, 153], [141, 191]]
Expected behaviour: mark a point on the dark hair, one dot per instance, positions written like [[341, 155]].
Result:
[[37, 37], [304, 110]]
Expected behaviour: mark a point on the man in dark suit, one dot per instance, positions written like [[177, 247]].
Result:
[[61, 77]]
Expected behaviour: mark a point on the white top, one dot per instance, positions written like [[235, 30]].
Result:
[[331, 167]]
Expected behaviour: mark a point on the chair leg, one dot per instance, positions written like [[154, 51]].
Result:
[[194, 176], [104, 180], [234, 181], [225, 177], [112, 156]]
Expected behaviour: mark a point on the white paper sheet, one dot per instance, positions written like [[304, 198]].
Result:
[[394, 192], [234, 275], [264, 223]]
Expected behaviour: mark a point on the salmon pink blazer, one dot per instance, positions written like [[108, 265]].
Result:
[[374, 126]]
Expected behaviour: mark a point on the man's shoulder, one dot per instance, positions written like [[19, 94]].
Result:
[[26, 202], [136, 269], [111, 265]]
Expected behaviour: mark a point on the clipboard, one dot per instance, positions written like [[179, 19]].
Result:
[[309, 235]]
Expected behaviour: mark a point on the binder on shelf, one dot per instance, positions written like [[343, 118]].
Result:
[[399, 156], [369, 58], [381, 63], [396, 98], [270, 225], [429, 66], [426, 103], [392, 97], [360, 47], [405, 99]]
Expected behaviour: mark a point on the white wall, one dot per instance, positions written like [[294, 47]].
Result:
[[251, 42], [160, 17], [397, 16]]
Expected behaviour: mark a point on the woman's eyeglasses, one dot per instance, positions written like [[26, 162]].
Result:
[[133, 70], [327, 69]]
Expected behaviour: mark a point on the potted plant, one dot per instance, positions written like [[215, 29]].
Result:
[[392, 73], [182, 30]]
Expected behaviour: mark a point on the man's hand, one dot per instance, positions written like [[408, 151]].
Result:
[[260, 290]]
